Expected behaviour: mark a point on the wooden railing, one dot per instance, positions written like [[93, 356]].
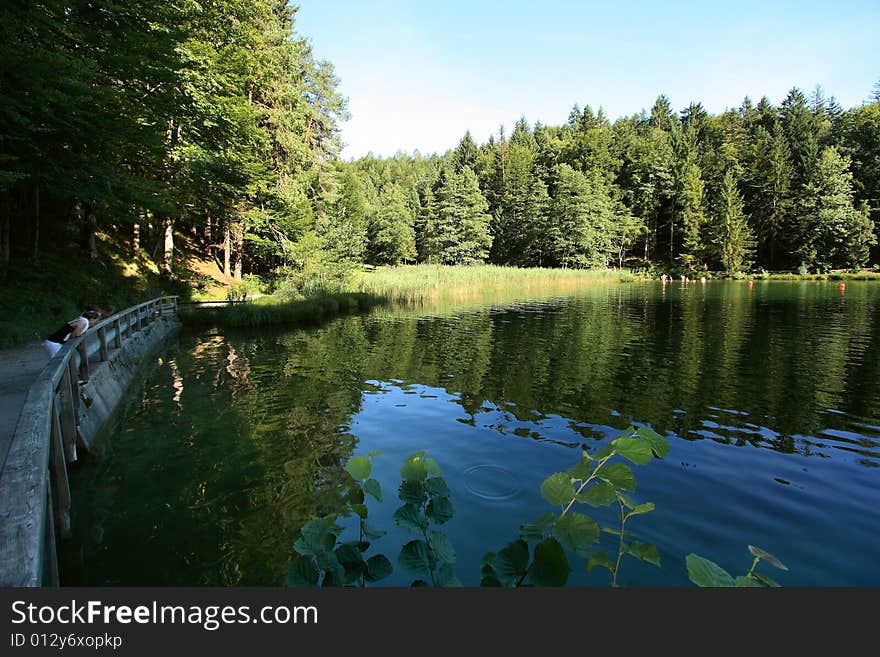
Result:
[[34, 488]]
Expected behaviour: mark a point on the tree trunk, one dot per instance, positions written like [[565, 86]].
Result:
[[91, 229], [4, 234], [238, 248], [227, 247], [209, 240], [36, 250], [169, 245], [136, 239]]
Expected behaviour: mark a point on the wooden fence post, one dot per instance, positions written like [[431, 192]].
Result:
[[102, 338], [59, 475]]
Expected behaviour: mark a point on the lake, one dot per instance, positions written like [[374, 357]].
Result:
[[768, 395]]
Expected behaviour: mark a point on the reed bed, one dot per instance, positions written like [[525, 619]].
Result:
[[268, 311], [419, 283]]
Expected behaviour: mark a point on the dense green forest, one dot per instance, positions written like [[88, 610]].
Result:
[[132, 124]]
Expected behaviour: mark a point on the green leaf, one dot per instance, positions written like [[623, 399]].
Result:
[[488, 580], [433, 468], [557, 489], [640, 509], [533, 532], [643, 551], [302, 572], [659, 444], [606, 451], [348, 554], [335, 576], [598, 558], [334, 572], [436, 487], [373, 532], [766, 581], [360, 509], [317, 536], [321, 526], [443, 550], [372, 487], [440, 510], [378, 567], [746, 582], [703, 572], [412, 492], [410, 516], [446, 577], [414, 557], [576, 531], [355, 496], [766, 556], [550, 565], [581, 470], [414, 468], [619, 475], [599, 494], [635, 449], [512, 562], [359, 467], [487, 571], [626, 500]]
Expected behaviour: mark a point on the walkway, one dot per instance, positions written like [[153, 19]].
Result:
[[19, 367]]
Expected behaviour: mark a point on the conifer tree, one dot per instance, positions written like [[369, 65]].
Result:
[[463, 235], [391, 233], [693, 219], [581, 224], [834, 233], [734, 240]]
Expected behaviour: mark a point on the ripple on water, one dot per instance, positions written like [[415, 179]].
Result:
[[490, 482]]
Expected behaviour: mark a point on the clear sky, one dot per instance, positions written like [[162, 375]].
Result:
[[417, 75]]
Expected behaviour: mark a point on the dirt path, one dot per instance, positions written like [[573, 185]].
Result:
[[19, 367]]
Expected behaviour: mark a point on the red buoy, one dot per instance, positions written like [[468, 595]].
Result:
[[842, 287]]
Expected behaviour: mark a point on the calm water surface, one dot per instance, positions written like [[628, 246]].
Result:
[[769, 398]]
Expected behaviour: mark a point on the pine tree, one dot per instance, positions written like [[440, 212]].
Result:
[[345, 229], [391, 233], [465, 155], [734, 241], [581, 225], [834, 233], [463, 235], [693, 219]]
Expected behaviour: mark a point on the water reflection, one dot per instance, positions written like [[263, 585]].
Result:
[[207, 484]]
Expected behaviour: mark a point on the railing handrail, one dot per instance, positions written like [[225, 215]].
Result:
[[34, 473], [64, 354]]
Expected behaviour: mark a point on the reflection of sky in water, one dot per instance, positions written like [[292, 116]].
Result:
[[709, 500], [769, 398]]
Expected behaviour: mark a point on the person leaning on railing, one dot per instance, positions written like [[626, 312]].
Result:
[[72, 329]]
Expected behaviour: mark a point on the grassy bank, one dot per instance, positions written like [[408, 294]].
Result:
[[270, 311], [832, 276], [419, 283]]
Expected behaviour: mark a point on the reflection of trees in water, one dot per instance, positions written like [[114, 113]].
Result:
[[744, 367], [266, 431]]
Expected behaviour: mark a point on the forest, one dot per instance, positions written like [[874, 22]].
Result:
[[139, 123]]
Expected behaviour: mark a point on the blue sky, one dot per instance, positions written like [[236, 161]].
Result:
[[417, 75]]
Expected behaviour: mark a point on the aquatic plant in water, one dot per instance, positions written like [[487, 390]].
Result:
[[538, 558], [322, 559], [595, 481], [703, 572]]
